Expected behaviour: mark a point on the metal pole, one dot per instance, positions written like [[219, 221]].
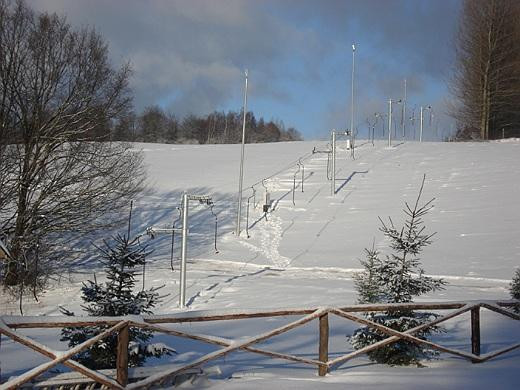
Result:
[[352, 91], [352, 104], [421, 125], [303, 173], [333, 175], [390, 122], [241, 177], [404, 110], [184, 250]]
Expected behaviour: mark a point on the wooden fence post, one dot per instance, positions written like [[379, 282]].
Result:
[[122, 356], [475, 331], [324, 344]]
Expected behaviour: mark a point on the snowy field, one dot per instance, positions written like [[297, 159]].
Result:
[[304, 254]]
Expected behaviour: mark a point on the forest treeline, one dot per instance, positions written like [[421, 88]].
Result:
[[156, 125]]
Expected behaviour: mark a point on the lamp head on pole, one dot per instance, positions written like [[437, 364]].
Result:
[[353, 47]]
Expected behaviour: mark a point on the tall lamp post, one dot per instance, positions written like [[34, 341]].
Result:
[[382, 116], [241, 177], [422, 120], [352, 103], [404, 110], [390, 101]]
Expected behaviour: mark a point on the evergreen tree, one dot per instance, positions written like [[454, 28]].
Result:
[[398, 278], [367, 282], [116, 297]]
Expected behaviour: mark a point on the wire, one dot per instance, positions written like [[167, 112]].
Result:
[[216, 223], [328, 167], [144, 260], [294, 183], [304, 157], [173, 237], [247, 212]]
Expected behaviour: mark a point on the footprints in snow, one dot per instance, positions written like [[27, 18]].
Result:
[[270, 233]]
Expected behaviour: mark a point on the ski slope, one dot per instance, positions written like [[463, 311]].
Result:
[[306, 253]]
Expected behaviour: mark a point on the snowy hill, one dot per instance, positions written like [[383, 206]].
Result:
[[322, 236], [305, 253]]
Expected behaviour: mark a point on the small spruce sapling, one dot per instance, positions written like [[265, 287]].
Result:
[[398, 278], [116, 297], [366, 282]]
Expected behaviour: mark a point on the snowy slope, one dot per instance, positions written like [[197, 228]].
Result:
[[305, 254], [476, 186]]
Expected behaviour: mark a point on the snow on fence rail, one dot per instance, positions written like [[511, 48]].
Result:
[[159, 375]]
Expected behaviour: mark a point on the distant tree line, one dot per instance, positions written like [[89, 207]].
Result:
[[156, 125], [486, 82]]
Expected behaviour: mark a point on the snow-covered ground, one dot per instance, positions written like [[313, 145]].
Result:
[[304, 254]]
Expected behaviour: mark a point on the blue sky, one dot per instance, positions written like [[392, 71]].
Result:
[[189, 56]]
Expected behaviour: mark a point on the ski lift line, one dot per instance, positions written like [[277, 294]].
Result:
[[328, 166], [184, 249], [216, 225], [143, 210], [163, 205], [254, 196], [152, 232], [173, 237], [144, 259], [303, 172], [293, 163], [247, 215], [294, 183]]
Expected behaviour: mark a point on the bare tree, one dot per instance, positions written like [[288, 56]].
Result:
[[486, 81], [58, 94]]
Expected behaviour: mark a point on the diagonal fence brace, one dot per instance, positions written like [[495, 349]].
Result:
[[58, 357]]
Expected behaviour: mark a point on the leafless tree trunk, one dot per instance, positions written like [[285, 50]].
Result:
[[57, 86], [486, 81]]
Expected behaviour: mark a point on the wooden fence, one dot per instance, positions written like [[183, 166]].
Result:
[[158, 375]]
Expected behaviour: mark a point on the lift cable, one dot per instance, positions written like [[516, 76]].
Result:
[[294, 183], [211, 205], [173, 236], [247, 212]]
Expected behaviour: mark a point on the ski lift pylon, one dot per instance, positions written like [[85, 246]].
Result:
[[267, 198]]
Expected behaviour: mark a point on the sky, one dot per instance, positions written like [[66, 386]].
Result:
[[189, 56]]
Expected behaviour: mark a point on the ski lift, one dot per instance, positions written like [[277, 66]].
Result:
[[211, 204], [173, 236], [348, 143], [328, 164], [303, 170], [294, 182], [267, 198], [247, 212]]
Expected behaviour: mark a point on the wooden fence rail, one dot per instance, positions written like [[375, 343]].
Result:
[[121, 325]]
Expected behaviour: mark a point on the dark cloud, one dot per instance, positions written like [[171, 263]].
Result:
[[190, 55]]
